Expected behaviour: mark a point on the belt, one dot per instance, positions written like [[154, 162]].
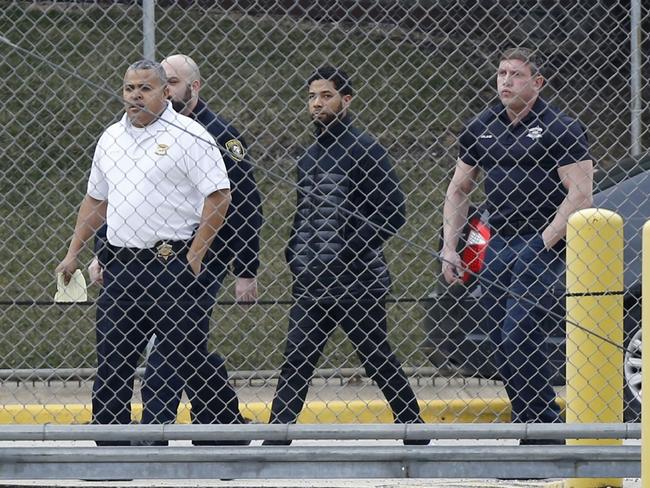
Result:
[[162, 250]]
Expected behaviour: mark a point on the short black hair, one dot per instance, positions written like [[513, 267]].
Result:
[[337, 76]]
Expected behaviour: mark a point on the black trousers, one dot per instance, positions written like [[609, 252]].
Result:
[[364, 322], [140, 299], [213, 402]]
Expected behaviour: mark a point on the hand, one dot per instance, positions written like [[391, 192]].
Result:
[[452, 267], [194, 261], [68, 266], [95, 272], [550, 238], [245, 290]]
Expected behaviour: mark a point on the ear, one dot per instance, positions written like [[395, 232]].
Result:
[[347, 100], [196, 86], [166, 93], [539, 82]]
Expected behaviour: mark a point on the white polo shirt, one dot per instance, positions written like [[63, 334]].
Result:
[[155, 178]]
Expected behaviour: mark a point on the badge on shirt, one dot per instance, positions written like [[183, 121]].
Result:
[[165, 251], [161, 149], [535, 132], [236, 149]]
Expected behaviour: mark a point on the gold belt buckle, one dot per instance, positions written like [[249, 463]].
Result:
[[165, 251]]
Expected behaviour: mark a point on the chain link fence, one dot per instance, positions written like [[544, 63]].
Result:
[[420, 69]]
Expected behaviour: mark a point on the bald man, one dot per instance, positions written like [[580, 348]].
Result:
[[237, 242]]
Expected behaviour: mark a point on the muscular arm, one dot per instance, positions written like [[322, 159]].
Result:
[[577, 178], [92, 214], [454, 218], [215, 207]]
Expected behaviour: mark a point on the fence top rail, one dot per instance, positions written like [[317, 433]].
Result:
[[153, 432]]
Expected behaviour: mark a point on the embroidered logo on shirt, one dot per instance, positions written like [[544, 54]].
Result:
[[486, 136], [535, 132], [161, 149], [236, 149]]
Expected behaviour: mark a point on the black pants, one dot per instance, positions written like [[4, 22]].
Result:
[[214, 402], [364, 322], [138, 300]]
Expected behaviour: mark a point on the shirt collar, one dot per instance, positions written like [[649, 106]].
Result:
[[333, 130], [199, 110], [535, 112]]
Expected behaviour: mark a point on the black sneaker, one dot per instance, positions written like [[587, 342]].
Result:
[[149, 443], [542, 442], [276, 443], [416, 442], [245, 442]]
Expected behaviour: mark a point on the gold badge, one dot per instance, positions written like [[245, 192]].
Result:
[[161, 150], [236, 149], [165, 251]]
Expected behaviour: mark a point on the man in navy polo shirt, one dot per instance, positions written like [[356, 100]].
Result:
[[236, 244], [537, 172]]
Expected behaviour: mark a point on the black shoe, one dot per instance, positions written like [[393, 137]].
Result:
[[276, 443], [149, 443], [416, 442], [542, 442], [108, 480], [245, 442]]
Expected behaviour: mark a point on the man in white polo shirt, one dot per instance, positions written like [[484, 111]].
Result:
[[159, 182]]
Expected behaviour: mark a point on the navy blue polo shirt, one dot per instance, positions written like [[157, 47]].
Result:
[[238, 239], [521, 162]]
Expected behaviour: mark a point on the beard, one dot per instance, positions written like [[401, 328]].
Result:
[[181, 104], [323, 119]]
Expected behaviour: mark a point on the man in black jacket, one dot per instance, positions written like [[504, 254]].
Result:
[[236, 244], [348, 204]]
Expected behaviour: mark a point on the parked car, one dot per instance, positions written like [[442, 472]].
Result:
[[455, 341]]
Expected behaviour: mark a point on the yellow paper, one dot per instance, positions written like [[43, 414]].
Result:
[[74, 291]]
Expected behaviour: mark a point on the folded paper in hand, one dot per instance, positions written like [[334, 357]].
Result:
[[74, 291]]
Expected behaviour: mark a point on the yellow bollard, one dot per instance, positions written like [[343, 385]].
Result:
[[645, 359], [594, 368]]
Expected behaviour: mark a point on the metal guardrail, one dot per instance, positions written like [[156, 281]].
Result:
[[489, 460], [170, 432], [319, 462]]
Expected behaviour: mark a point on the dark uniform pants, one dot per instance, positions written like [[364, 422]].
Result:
[[214, 402], [141, 298], [364, 322], [517, 267]]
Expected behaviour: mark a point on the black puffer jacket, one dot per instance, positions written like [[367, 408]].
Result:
[[349, 203]]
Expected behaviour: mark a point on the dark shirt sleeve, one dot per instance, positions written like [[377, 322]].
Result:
[[572, 144], [384, 205], [467, 147], [245, 216]]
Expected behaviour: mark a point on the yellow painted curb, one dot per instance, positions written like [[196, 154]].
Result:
[[315, 412]]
